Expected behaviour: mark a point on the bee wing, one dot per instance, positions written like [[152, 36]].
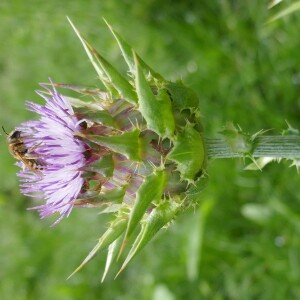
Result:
[[30, 156], [30, 164]]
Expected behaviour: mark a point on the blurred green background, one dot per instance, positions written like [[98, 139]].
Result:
[[243, 242]]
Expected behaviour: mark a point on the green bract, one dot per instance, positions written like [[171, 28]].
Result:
[[146, 136]]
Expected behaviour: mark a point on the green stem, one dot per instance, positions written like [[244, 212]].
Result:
[[263, 146]]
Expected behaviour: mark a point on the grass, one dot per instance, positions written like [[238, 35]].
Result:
[[243, 69]]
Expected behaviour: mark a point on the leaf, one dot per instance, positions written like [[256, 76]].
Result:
[[112, 196], [195, 238], [156, 110], [182, 96], [285, 12], [81, 89], [104, 166], [260, 163], [238, 141], [127, 144], [118, 81], [79, 103], [273, 3], [151, 190], [195, 190], [113, 208], [127, 53], [188, 152], [93, 60], [158, 218], [112, 255], [100, 116], [106, 72]]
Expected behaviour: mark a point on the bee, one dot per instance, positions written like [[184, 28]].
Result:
[[18, 150]]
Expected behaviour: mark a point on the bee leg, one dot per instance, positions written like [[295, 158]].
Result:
[[24, 167]]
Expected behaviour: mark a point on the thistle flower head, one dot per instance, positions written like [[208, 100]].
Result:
[[135, 149]]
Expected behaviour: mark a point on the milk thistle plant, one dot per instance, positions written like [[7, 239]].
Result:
[[134, 149]]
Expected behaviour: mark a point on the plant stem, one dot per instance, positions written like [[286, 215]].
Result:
[[263, 146]]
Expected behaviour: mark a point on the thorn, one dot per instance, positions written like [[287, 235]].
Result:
[[255, 162], [124, 243], [108, 25], [76, 270], [121, 269]]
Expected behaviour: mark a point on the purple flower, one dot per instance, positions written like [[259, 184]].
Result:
[[59, 154]]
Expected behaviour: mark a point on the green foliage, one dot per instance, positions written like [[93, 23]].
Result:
[[236, 139], [160, 216], [130, 57], [154, 110], [127, 143], [283, 12], [150, 191], [157, 110], [188, 153]]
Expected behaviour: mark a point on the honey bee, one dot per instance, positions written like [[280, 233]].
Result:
[[19, 151]]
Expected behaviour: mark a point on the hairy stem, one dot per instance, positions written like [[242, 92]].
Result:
[[263, 146]]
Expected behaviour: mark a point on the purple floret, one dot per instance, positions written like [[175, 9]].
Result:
[[52, 139]]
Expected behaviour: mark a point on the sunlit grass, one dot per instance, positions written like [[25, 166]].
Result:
[[243, 70]]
